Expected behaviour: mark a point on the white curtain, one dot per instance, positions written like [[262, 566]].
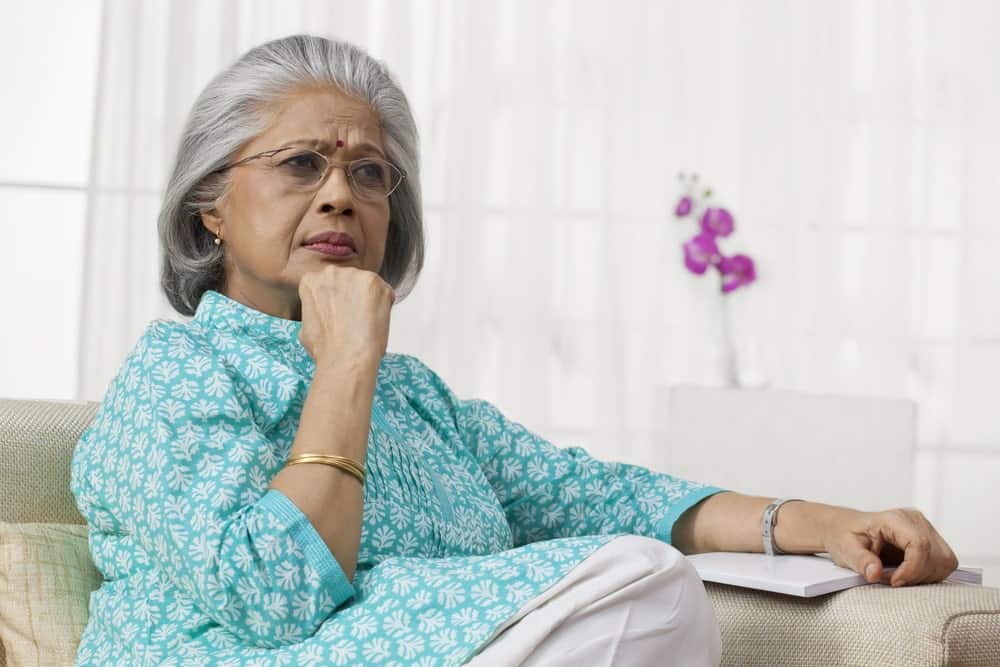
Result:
[[854, 142]]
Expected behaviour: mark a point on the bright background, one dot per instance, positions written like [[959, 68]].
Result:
[[855, 142]]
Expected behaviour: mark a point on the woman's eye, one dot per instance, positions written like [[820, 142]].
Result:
[[370, 172], [305, 162]]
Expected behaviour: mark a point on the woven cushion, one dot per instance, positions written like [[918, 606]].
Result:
[[939, 624], [36, 444], [46, 577]]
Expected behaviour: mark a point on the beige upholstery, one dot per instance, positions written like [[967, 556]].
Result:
[[36, 442], [942, 624]]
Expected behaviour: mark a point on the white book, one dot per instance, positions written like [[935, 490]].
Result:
[[793, 574]]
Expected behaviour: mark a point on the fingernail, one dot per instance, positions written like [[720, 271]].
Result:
[[870, 570]]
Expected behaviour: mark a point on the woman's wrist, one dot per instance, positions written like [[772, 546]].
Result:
[[802, 526], [355, 366]]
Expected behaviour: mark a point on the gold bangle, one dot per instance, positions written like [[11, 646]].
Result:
[[342, 462]]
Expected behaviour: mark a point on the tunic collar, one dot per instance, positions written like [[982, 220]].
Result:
[[228, 317], [218, 310]]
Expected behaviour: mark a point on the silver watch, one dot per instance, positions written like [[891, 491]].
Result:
[[767, 526]]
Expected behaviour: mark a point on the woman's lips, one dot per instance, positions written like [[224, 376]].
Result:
[[331, 249]]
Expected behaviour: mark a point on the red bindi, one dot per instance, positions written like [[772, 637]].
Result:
[[340, 142]]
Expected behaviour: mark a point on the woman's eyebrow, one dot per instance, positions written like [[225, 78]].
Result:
[[324, 145]]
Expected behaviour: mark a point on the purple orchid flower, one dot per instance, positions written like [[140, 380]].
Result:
[[736, 271], [717, 221], [700, 252], [683, 206]]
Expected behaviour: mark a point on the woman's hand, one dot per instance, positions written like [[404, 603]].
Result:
[[867, 541], [345, 315]]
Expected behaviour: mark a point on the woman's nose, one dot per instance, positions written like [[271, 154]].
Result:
[[335, 192]]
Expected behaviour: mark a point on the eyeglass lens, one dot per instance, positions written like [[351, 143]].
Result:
[[370, 178]]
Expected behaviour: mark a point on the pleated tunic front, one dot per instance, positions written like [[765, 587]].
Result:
[[467, 514]]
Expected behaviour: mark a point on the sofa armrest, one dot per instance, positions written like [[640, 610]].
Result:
[[37, 438], [939, 624]]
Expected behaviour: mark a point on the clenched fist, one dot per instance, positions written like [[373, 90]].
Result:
[[345, 315]]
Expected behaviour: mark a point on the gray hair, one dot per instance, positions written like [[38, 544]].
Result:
[[231, 111]]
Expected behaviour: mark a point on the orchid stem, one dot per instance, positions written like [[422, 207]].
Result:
[[729, 347]]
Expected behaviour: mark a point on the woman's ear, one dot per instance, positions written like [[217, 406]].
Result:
[[212, 222]]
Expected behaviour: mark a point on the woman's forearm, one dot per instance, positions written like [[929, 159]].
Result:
[[335, 419], [731, 521]]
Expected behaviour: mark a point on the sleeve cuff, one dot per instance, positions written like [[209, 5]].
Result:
[[666, 524], [332, 577]]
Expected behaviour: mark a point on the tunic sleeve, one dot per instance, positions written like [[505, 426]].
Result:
[[195, 498], [548, 492]]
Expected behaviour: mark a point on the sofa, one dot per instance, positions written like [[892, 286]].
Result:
[[46, 577]]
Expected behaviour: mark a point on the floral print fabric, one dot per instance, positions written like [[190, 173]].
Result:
[[467, 514]]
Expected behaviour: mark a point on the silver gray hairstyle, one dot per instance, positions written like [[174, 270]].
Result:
[[233, 109]]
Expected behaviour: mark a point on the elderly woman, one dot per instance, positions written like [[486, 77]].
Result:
[[264, 484]]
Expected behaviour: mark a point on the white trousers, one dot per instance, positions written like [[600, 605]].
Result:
[[635, 601]]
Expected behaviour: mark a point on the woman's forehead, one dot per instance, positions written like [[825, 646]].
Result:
[[325, 115]]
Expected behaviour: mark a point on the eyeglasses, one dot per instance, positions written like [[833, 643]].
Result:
[[304, 170]]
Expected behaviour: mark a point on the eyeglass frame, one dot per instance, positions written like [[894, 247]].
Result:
[[330, 165]]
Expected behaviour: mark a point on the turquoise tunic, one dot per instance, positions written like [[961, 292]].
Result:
[[467, 514]]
